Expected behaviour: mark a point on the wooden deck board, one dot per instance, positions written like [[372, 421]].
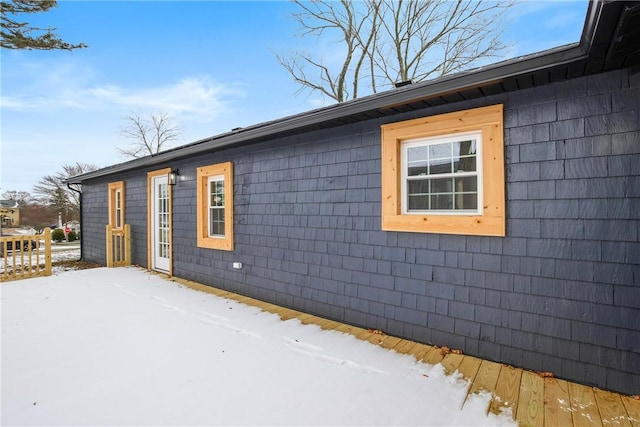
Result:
[[388, 341], [327, 324], [307, 319], [348, 329], [364, 334], [583, 405], [557, 404], [419, 350], [272, 308], [243, 299], [404, 346], [535, 401], [611, 408], [433, 356], [507, 390], [530, 411], [633, 410], [486, 378], [469, 367], [451, 362]]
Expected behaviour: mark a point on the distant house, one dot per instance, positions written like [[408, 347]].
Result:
[[496, 211], [9, 213]]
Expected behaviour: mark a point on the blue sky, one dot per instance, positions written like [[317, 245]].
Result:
[[209, 64]]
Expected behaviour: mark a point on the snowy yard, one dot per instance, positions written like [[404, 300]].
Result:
[[123, 347]]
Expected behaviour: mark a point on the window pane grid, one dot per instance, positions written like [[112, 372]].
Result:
[[162, 221], [118, 209], [216, 207], [441, 175]]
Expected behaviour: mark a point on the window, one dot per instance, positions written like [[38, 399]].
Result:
[[440, 175], [215, 206], [116, 204], [118, 221], [445, 174]]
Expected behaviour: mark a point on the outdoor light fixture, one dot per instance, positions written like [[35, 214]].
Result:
[[173, 176]]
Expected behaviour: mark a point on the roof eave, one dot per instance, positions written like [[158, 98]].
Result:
[[483, 76]]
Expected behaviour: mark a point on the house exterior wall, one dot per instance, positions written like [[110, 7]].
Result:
[[10, 217], [559, 293], [94, 220], [95, 217]]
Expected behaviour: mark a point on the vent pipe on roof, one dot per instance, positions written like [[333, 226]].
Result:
[[404, 83]]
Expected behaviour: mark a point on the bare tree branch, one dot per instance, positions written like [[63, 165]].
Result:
[[22, 198], [149, 136], [347, 22], [52, 192], [387, 41]]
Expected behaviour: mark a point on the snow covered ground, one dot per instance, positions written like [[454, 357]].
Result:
[[121, 346]]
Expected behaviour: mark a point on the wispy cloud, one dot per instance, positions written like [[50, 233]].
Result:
[[197, 98]]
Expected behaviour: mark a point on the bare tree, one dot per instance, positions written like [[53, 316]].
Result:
[[388, 41], [53, 193], [149, 136], [356, 28], [21, 35], [22, 198], [37, 216]]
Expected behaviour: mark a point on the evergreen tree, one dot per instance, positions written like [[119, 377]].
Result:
[[21, 35]]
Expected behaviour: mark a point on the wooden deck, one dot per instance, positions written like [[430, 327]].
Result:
[[535, 399]]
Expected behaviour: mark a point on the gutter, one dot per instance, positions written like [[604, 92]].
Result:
[[69, 186], [413, 93], [478, 77]]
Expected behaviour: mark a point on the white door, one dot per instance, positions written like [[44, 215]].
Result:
[[160, 224]]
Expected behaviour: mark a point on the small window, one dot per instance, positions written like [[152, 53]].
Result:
[[445, 174], [215, 206], [440, 176], [116, 204], [118, 209]]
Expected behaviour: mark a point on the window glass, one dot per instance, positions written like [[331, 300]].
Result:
[[118, 209], [441, 176], [216, 206]]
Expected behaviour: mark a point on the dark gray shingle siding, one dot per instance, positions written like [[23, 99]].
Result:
[[560, 293]]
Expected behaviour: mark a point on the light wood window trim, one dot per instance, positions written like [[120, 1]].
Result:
[[114, 188], [202, 183], [491, 222]]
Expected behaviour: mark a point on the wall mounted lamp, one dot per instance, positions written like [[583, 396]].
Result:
[[173, 176]]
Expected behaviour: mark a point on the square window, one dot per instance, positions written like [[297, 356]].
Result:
[[445, 173], [440, 175]]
